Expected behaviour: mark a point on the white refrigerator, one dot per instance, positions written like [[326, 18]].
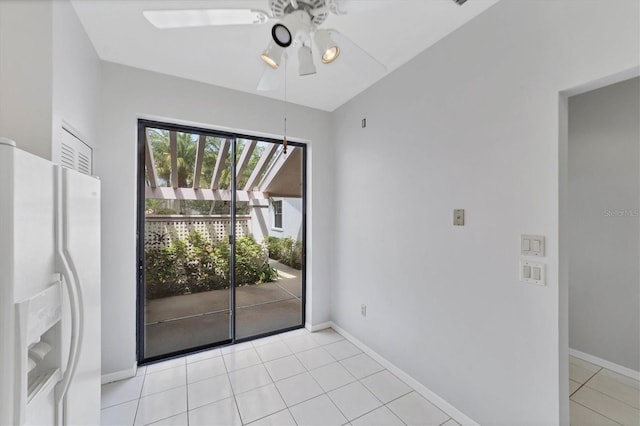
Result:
[[49, 292]]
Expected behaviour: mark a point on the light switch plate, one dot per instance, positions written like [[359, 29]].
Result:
[[533, 272], [532, 245], [458, 217]]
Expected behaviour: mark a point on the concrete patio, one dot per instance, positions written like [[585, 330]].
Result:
[[181, 322]]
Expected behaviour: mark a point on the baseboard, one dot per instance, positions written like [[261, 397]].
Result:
[[436, 400], [317, 327], [605, 364], [120, 375]]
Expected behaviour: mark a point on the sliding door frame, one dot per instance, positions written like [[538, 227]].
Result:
[[143, 124]]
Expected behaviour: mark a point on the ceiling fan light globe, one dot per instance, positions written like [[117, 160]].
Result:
[[330, 55], [281, 35]]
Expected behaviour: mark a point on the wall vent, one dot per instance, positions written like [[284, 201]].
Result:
[[71, 152]]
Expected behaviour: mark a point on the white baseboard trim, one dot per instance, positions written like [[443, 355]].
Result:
[[120, 375], [436, 400], [606, 364], [317, 327]]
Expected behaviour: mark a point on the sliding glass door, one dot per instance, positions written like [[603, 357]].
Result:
[[220, 238]]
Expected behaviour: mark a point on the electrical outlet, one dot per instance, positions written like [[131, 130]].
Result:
[[363, 310]]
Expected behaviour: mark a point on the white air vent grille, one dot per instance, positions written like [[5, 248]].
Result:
[[84, 163], [71, 152], [67, 154]]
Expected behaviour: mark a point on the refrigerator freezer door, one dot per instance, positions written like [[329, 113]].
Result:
[[27, 257], [34, 240]]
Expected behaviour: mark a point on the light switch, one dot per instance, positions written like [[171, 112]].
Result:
[[532, 245], [535, 273], [536, 246], [458, 217], [532, 272]]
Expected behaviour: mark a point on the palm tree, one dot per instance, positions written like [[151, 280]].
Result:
[[187, 147]]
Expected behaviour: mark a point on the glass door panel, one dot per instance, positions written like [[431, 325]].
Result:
[[269, 255], [187, 222]]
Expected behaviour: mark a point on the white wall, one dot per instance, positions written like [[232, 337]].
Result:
[[26, 60], [471, 123], [49, 73], [76, 77], [130, 93], [604, 191]]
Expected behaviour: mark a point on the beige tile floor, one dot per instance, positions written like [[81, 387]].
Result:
[[600, 397], [296, 378], [302, 378]]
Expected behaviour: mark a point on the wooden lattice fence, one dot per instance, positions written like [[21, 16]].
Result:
[[159, 231]]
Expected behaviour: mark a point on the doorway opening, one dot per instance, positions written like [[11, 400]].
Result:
[[221, 238], [599, 251]]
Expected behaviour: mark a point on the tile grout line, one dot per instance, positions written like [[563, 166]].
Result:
[[144, 379], [233, 392], [281, 397], [186, 387], [585, 382], [603, 369], [597, 412], [609, 396]]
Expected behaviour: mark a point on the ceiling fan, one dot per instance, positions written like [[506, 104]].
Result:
[[297, 25]]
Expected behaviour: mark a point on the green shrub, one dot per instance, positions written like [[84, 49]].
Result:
[[286, 250], [197, 265], [201, 268], [165, 270], [274, 247]]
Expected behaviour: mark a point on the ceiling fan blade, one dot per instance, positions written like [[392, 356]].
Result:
[[355, 56], [186, 18], [343, 7], [271, 78]]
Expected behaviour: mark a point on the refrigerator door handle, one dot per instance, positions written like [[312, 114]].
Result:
[[75, 302], [68, 270]]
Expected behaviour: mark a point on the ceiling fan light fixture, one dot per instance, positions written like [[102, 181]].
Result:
[[290, 27], [330, 55], [281, 35], [327, 47], [305, 61], [272, 55]]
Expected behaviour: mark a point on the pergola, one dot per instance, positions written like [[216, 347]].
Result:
[[275, 174]]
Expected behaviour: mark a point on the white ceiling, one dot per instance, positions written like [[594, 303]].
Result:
[[393, 31]]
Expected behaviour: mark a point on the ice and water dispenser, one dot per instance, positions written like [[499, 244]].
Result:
[[39, 356]]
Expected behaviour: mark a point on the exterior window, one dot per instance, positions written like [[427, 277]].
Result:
[[277, 214]]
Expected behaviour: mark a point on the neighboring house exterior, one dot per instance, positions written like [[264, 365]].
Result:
[[277, 217]]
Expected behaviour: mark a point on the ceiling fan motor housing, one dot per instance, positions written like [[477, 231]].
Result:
[[284, 7], [296, 25]]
